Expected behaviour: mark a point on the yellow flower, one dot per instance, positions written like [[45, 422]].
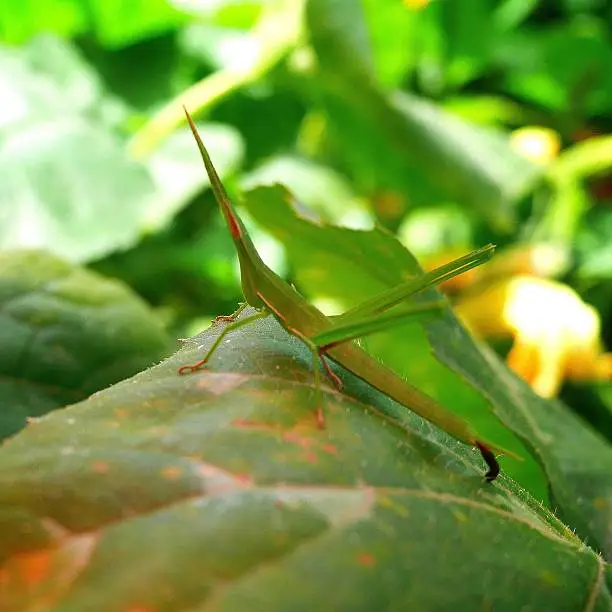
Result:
[[416, 4], [542, 260], [556, 335], [539, 144]]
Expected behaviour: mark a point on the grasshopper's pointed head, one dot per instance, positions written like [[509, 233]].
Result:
[[250, 262]]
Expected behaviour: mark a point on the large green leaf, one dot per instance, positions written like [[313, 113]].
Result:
[[397, 35], [321, 189], [467, 55], [58, 148], [563, 68], [218, 491], [402, 142], [114, 22], [348, 266], [64, 334], [19, 21], [120, 22], [57, 193], [49, 77]]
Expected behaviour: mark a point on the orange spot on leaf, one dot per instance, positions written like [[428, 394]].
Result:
[[301, 441], [311, 457], [218, 481], [366, 559], [34, 567], [100, 467], [158, 430], [171, 472], [599, 503], [330, 448], [244, 479], [250, 424]]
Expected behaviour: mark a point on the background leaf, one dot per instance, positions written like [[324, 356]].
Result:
[[19, 22], [117, 22], [114, 22], [402, 142], [56, 159], [66, 333]]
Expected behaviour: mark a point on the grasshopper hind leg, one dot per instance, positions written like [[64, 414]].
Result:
[[318, 355], [332, 375], [490, 460]]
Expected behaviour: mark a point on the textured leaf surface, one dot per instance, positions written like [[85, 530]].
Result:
[[65, 333], [217, 491], [349, 266], [577, 460]]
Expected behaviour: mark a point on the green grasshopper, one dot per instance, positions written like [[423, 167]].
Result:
[[331, 337]]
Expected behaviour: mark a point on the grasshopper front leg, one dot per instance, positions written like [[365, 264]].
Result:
[[230, 327], [232, 317]]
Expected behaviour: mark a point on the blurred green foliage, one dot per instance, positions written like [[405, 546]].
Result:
[[380, 112]]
